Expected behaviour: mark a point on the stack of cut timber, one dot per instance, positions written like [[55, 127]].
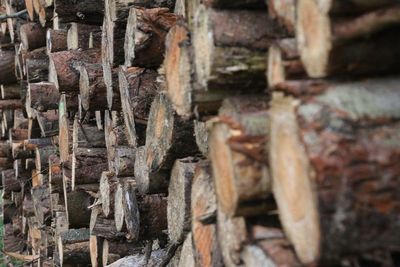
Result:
[[200, 133]]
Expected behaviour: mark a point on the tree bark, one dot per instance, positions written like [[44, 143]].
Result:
[[92, 88], [83, 36], [179, 192], [32, 35], [56, 40], [85, 12], [145, 36], [238, 157], [168, 136], [62, 71], [357, 135], [326, 49], [138, 88], [220, 43], [10, 91], [73, 247], [122, 249]]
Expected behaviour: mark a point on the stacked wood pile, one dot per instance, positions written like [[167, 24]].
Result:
[[201, 133]]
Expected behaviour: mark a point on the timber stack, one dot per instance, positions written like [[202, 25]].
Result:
[[200, 132]]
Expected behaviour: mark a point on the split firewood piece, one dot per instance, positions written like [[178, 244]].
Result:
[[187, 256], [327, 49], [138, 87], [238, 157], [83, 36], [145, 36], [41, 97], [65, 126], [87, 135], [143, 216], [92, 88], [41, 203], [103, 227], [63, 67], [11, 91], [42, 157], [56, 40], [168, 136], [284, 11], [121, 249], [18, 151], [226, 4], [43, 11], [85, 12], [269, 247], [48, 122], [85, 165], [228, 55], [32, 35], [77, 207], [335, 148], [179, 192], [284, 63], [108, 187], [148, 182], [73, 247]]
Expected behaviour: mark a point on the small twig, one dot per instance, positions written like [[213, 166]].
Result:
[[15, 15]]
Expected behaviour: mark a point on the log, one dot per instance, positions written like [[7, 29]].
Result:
[[73, 247], [145, 36], [85, 166], [56, 40], [48, 123], [179, 192], [62, 71], [32, 35], [326, 49], [5, 149], [187, 253], [201, 134], [42, 157], [11, 91], [284, 11], [78, 211], [37, 70], [231, 232], [137, 87], [96, 246], [87, 136], [92, 88], [224, 4], [269, 248], [220, 43], [102, 227], [238, 158], [168, 136], [124, 162], [83, 36], [108, 186], [9, 181], [342, 177], [85, 12], [111, 81], [114, 134], [284, 63], [41, 203], [41, 96], [122, 249], [158, 258], [148, 182], [10, 104], [18, 151], [145, 216]]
